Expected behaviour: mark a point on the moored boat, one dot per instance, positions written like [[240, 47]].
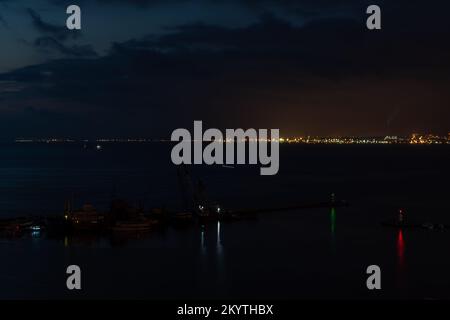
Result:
[[86, 219]]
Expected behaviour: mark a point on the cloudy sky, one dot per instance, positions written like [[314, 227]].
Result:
[[146, 67]]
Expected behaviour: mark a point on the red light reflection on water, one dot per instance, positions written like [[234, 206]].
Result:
[[401, 281], [400, 249]]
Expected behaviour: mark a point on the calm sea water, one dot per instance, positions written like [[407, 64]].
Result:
[[318, 253]]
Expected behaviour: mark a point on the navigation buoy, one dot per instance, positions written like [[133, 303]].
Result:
[[401, 216]]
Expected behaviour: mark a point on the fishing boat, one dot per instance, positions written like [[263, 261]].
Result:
[[86, 219], [16, 226]]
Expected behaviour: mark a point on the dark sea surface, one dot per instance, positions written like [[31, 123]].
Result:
[[316, 253]]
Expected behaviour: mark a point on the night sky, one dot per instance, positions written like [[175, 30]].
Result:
[[142, 68]]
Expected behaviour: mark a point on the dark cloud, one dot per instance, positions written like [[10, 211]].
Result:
[[55, 36], [59, 32], [3, 22], [49, 43], [325, 46]]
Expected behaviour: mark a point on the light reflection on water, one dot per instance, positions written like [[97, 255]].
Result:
[[333, 229], [203, 239], [400, 258], [212, 254], [220, 257], [400, 249]]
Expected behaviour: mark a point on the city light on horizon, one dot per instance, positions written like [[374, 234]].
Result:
[[413, 139]]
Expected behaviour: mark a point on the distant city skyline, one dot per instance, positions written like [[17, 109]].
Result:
[[413, 138]]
